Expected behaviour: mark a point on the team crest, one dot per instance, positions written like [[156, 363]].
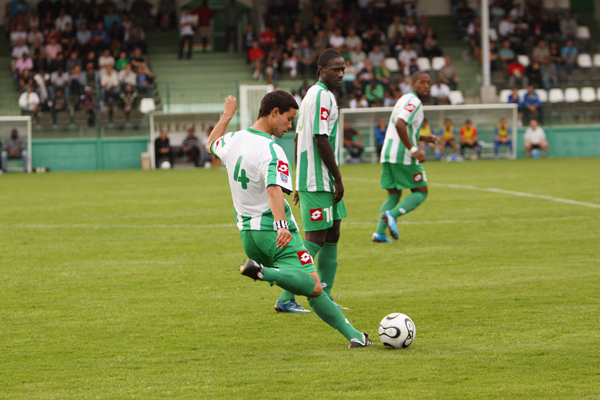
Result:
[[418, 177], [283, 167], [324, 114], [410, 107], [316, 214], [304, 257]]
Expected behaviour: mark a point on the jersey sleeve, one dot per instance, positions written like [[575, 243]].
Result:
[[322, 112], [276, 169], [218, 146], [409, 110]]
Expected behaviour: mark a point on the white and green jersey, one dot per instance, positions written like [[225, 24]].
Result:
[[253, 163], [410, 109], [318, 116]]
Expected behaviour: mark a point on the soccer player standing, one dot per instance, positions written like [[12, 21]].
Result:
[[401, 159], [318, 178], [259, 174]]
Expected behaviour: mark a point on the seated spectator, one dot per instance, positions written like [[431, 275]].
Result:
[[522, 30], [427, 130], [162, 149], [72, 61], [83, 36], [18, 51], [367, 74], [267, 39], [514, 98], [413, 66], [337, 40], [307, 59], [380, 131], [23, 63], [516, 71], [569, 55], [540, 52], [448, 74], [191, 146], [42, 79], [105, 60], [255, 56], [358, 98], [80, 20], [68, 39], [111, 19], [128, 99], [78, 80], [568, 27], [410, 30], [355, 148], [122, 61], [145, 82], [468, 138], [548, 70], [405, 56], [439, 93], [392, 94], [374, 92], [353, 40], [127, 76], [290, 59], [535, 138], [383, 74], [533, 72], [517, 12], [52, 49], [502, 137], [109, 81], [29, 102], [395, 32], [357, 56], [448, 137], [249, 37], [87, 105], [506, 53], [405, 85], [24, 80], [138, 59], [14, 148], [59, 79], [506, 28], [92, 77], [33, 36], [532, 106], [18, 34], [60, 103], [429, 44], [100, 37], [62, 20], [376, 56], [135, 37]]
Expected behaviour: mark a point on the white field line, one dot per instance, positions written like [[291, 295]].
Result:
[[494, 190], [357, 223]]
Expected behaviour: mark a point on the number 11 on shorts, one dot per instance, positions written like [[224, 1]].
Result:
[[328, 214]]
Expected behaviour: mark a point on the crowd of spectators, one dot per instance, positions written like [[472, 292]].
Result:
[[83, 57], [366, 33]]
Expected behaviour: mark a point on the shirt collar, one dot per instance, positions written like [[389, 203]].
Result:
[[259, 133], [322, 85]]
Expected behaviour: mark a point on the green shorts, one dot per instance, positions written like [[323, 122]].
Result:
[[318, 210], [260, 246], [399, 176]]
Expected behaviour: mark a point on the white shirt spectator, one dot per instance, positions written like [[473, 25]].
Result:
[[109, 80], [103, 61], [17, 51], [31, 37], [517, 13], [506, 28], [405, 87], [376, 57], [535, 135], [16, 35], [28, 101], [61, 22], [59, 80], [186, 30], [405, 57], [337, 41], [353, 41], [129, 77], [440, 91]]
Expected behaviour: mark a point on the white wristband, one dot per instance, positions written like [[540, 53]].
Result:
[[281, 224], [413, 149]]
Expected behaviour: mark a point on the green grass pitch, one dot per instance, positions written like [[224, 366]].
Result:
[[123, 285]]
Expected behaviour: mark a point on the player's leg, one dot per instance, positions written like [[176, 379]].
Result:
[[388, 183], [453, 145], [411, 202], [462, 148], [528, 146], [496, 147]]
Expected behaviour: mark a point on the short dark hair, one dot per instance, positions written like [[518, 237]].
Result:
[[280, 99], [326, 56]]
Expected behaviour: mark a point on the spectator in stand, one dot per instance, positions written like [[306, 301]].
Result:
[[502, 137], [87, 105], [23, 63], [548, 70], [540, 52], [29, 102], [59, 104], [145, 82], [535, 138], [405, 85], [256, 55], [468, 138], [100, 37], [517, 12], [337, 40], [166, 16], [127, 76], [569, 55], [290, 59], [62, 20], [249, 38], [440, 93], [568, 27], [186, 32], [111, 19], [128, 100], [135, 37], [124, 6], [18, 34], [533, 72], [109, 81], [413, 66], [495, 64], [42, 80], [267, 38], [162, 149], [448, 137], [355, 148], [514, 98], [24, 80], [375, 92], [358, 56], [395, 32], [191, 146], [555, 56], [506, 53], [350, 75], [34, 36], [429, 44], [411, 31], [376, 56], [506, 28], [383, 74], [552, 28], [321, 43], [18, 7], [353, 40], [516, 71], [18, 51], [306, 59], [358, 99], [392, 94], [380, 130], [72, 61], [204, 15], [14, 148], [92, 77], [405, 56], [138, 59], [122, 61], [78, 80], [448, 74], [105, 60], [83, 36], [367, 74], [532, 106], [59, 79]]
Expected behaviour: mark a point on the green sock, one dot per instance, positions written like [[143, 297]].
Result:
[[313, 249], [409, 203], [332, 315], [293, 280], [327, 266], [390, 203]]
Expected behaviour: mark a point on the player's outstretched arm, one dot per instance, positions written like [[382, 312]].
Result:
[[277, 204], [403, 133], [229, 110], [326, 152]]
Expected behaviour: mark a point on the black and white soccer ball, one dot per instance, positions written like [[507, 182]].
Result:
[[397, 331]]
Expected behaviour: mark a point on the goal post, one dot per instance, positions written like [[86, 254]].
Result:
[[484, 117], [23, 126], [250, 98]]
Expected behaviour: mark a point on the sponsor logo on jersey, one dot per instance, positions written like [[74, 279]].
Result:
[[283, 177], [316, 214], [283, 167], [410, 107], [324, 114], [418, 177], [304, 257]]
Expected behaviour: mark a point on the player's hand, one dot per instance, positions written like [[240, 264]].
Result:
[[339, 191], [284, 237], [419, 156], [230, 106], [432, 139], [296, 198]]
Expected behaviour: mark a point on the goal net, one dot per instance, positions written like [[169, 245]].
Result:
[[23, 127], [485, 117]]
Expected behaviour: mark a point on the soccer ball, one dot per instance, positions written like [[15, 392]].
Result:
[[397, 331], [165, 165]]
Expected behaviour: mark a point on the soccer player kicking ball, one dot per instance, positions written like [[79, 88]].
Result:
[[401, 159], [318, 178], [259, 174]]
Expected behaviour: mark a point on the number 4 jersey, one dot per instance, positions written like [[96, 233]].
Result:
[[253, 163]]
